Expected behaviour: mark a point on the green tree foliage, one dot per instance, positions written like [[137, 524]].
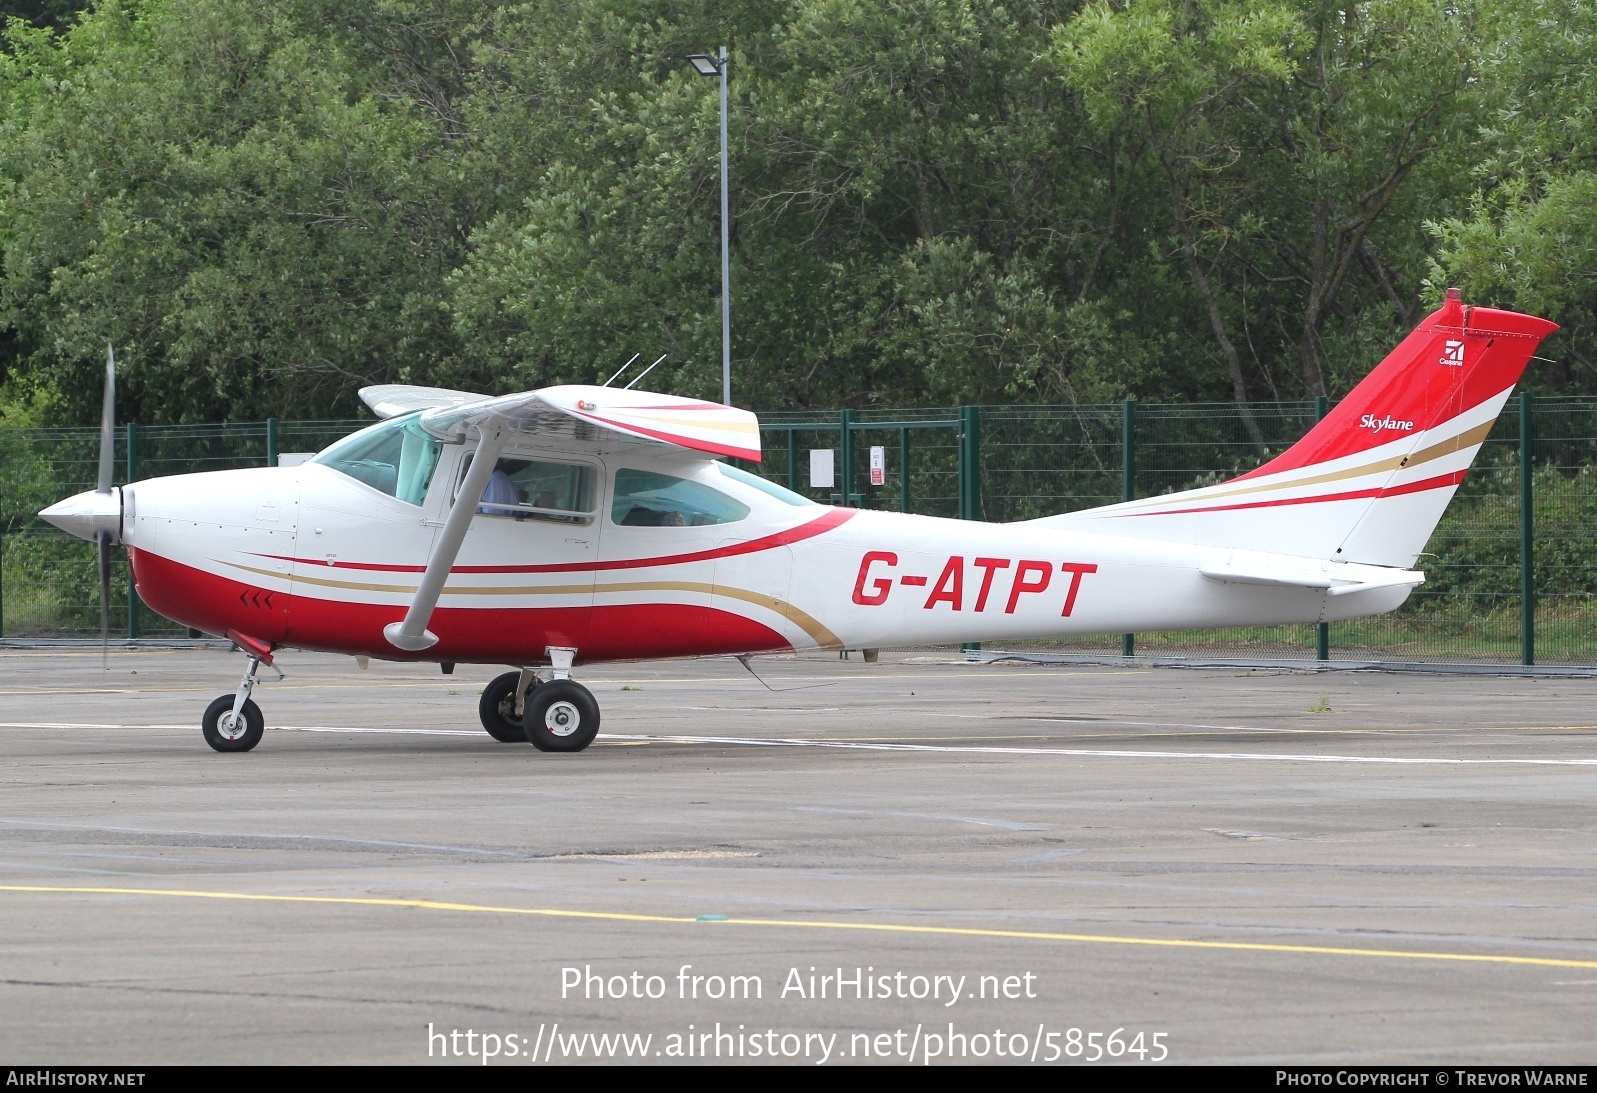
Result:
[[246, 208], [1286, 138], [1529, 237], [41, 13], [266, 205]]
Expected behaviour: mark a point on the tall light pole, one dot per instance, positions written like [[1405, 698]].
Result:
[[706, 65]]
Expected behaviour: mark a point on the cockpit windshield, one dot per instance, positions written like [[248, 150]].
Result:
[[764, 485], [396, 456]]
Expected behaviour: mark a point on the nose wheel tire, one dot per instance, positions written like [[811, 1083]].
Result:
[[497, 709], [561, 716], [224, 733]]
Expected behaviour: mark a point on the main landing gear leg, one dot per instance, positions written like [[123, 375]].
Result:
[[561, 715], [233, 722]]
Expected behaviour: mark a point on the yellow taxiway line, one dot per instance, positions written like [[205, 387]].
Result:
[[823, 924]]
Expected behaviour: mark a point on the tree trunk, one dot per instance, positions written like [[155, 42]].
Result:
[[1233, 361]]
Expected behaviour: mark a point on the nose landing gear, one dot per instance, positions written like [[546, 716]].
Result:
[[233, 722]]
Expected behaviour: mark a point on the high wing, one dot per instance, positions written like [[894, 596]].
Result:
[[574, 414], [392, 399], [578, 413]]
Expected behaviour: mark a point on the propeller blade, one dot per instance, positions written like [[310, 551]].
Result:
[[102, 542], [108, 423]]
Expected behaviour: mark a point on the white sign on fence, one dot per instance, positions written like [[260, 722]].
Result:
[[822, 476], [878, 465]]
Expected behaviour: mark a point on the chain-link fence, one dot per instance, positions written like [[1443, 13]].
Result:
[[49, 583], [1531, 497]]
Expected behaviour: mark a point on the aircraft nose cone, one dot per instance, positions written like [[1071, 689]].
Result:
[[87, 514]]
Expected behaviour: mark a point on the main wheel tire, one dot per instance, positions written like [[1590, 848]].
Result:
[[561, 716], [497, 709], [223, 734]]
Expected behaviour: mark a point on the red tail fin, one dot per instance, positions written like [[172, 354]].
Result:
[[1456, 359], [1370, 481]]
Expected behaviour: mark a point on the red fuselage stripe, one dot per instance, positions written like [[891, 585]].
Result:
[[819, 526], [490, 635]]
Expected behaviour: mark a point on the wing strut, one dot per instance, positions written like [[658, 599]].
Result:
[[412, 634]]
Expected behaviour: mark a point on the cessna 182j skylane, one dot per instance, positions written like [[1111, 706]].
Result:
[[578, 524]]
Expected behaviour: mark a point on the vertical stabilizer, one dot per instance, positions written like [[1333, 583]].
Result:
[[1369, 482]]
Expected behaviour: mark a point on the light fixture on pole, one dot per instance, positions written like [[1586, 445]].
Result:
[[706, 65]]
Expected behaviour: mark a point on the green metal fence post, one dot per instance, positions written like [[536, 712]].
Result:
[[970, 463], [1527, 537], [2, 578], [903, 468], [1128, 486], [970, 476], [846, 453], [133, 476], [271, 442], [1322, 631], [792, 460]]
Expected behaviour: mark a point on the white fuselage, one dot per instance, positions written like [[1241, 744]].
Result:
[[311, 557]]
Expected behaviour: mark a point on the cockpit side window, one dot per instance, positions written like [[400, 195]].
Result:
[[539, 490], [397, 457], [651, 499]]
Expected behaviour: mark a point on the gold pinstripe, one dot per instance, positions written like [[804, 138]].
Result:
[[1466, 439], [817, 631]]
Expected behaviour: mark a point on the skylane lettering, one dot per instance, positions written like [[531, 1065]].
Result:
[[1381, 424], [1026, 576]]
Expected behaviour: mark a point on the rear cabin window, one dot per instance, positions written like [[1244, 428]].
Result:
[[651, 499], [396, 456]]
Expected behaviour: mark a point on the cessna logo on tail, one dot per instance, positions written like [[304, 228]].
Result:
[[1370, 421], [1453, 353]]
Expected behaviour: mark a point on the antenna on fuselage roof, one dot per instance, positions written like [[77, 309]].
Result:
[[643, 373], [620, 370]]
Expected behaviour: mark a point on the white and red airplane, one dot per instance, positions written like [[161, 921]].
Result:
[[578, 524]]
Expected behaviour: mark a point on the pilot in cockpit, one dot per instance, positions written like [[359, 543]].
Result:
[[501, 490]]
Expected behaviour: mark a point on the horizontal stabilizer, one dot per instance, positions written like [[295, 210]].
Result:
[[1336, 578]]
